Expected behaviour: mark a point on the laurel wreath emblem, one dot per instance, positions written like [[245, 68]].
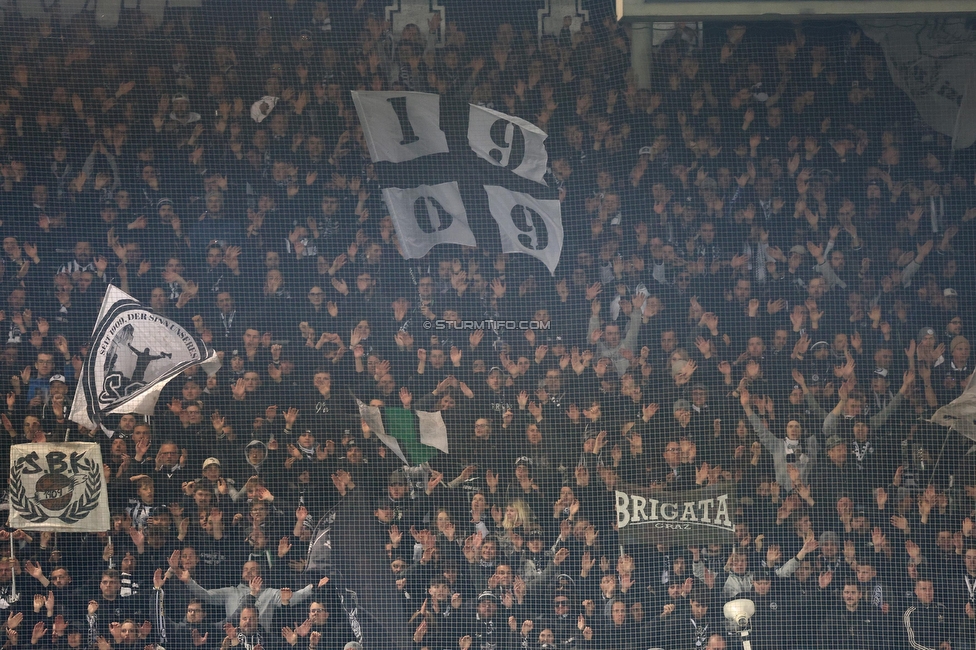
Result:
[[75, 512]]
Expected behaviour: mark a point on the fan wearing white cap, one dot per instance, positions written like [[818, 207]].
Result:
[[956, 372], [181, 113], [214, 480]]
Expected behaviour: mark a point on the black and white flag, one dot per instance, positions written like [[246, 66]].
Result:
[[401, 126], [133, 354], [58, 486], [346, 547], [439, 180], [960, 414], [527, 225], [508, 141], [428, 215]]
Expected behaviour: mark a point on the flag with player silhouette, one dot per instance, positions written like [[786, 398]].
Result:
[[414, 436], [134, 352]]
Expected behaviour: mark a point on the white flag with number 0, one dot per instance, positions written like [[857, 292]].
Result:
[[428, 215]]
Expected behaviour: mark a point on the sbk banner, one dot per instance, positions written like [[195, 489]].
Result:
[[691, 517], [58, 487], [133, 354]]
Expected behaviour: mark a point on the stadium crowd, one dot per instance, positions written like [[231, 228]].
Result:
[[763, 282]]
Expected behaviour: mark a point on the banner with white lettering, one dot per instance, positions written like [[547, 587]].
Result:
[[58, 486], [702, 516], [527, 224], [133, 354], [428, 215], [400, 126], [508, 141]]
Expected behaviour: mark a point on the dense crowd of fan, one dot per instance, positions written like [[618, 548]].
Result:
[[764, 282]]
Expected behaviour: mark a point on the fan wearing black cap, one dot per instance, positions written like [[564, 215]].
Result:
[[815, 371], [386, 520], [833, 478], [538, 568], [564, 616], [494, 397], [485, 629], [406, 512]]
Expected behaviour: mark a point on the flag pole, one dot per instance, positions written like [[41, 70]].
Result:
[[14, 596], [939, 458]]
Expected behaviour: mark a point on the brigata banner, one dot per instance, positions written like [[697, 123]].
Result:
[[57, 486], [702, 516]]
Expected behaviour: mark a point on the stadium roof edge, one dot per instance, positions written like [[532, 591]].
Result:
[[695, 10]]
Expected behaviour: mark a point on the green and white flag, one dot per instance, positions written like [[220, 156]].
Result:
[[414, 436]]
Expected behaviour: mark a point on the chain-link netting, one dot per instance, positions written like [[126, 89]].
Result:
[[722, 393]]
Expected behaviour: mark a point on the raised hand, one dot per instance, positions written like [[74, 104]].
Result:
[[305, 628], [825, 579], [284, 546]]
